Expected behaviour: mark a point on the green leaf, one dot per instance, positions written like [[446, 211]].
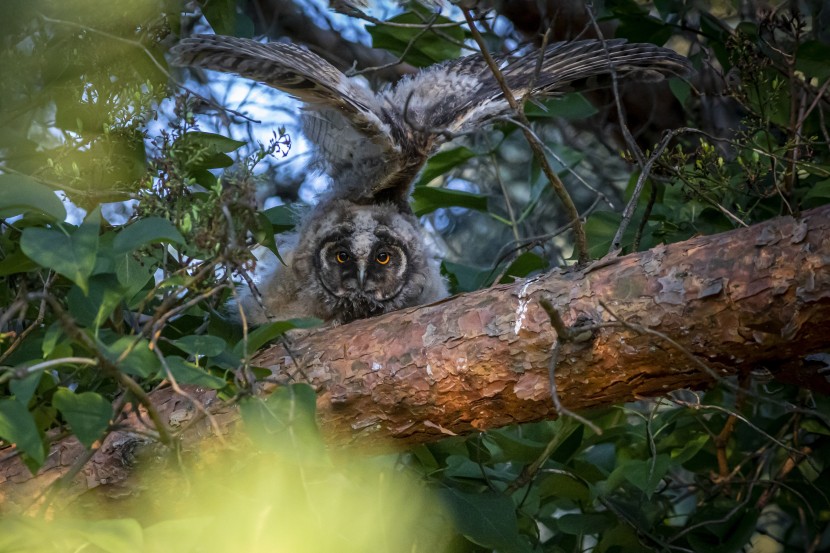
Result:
[[523, 265], [282, 217], [211, 149], [24, 388], [18, 427], [643, 28], [87, 413], [16, 262], [426, 199], [816, 427], [600, 229], [442, 162], [465, 278], [201, 345], [564, 487], [646, 474], [265, 333], [215, 142], [722, 530], [70, 253], [488, 519], [221, 14], [416, 46], [187, 533], [812, 59], [50, 339], [515, 447], [96, 304], [681, 89], [817, 195], [571, 106], [146, 231], [690, 448], [188, 373], [285, 422], [20, 194], [140, 361], [123, 535], [580, 524], [131, 274]]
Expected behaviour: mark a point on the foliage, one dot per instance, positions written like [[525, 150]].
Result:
[[104, 302], [277, 485]]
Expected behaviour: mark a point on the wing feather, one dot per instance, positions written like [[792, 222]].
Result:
[[463, 95], [406, 122], [341, 114]]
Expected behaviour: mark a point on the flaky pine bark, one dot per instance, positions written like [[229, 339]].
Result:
[[747, 299]]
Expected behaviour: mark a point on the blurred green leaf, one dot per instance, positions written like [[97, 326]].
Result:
[[18, 427], [19, 194], [722, 530], [211, 141], [285, 422], [268, 332], [600, 229], [87, 413], [646, 474], [213, 149], [571, 106], [68, 251], [464, 277], [442, 162], [135, 356], [93, 307], [16, 262], [522, 266], [24, 388], [812, 59], [201, 345], [417, 47], [644, 28], [426, 199], [186, 372], [488, 518], [581, 524], [123, 535], [225, 19], [146, 231]]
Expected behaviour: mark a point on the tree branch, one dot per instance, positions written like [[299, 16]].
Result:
[[749, 298]]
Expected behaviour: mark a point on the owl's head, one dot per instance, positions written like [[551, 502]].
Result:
[[363, 260]]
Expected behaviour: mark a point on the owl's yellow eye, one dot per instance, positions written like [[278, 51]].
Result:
[[341, 257], [383, 258]]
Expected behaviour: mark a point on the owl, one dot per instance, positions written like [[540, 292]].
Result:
[[361, 252]]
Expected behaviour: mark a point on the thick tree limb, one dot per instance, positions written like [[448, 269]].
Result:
[[747, 299], [741, 300]]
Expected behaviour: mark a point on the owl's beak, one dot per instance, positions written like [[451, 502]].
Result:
[[361, 274]]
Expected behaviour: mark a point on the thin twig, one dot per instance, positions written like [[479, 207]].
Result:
[[580, 240], [628, 212], [109, 368], [563, 334], [629, 140]]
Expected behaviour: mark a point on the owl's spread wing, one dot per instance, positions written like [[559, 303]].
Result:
[[463, 95], [373, 146], [342, 118]]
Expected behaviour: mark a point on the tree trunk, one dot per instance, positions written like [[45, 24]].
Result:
[[754, 298]]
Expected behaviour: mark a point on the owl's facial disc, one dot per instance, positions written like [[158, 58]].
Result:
[[366, 267]]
